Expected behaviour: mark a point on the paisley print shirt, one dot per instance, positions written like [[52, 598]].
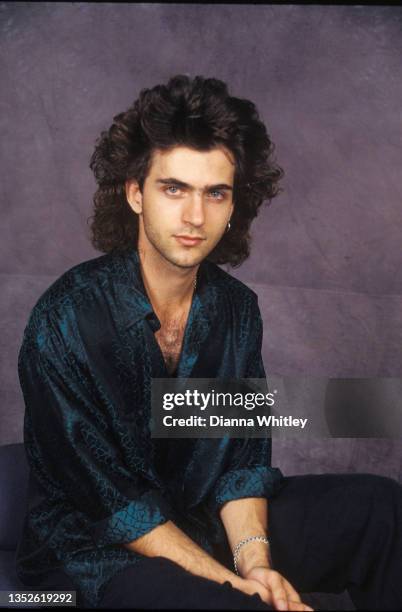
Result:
[[97, 478]]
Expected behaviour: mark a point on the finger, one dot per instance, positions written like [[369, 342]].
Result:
[[283, 591], [291, 592], [276, 584], [280, 598], [297, 606], [294, 598], [261, 590]]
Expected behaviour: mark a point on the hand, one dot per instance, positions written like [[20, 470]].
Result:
[[276, 590]]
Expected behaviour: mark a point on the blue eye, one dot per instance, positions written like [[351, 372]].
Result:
[[168, 189], [172, 187], [220, 192]]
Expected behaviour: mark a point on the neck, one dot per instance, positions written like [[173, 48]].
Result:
[[168, 287]]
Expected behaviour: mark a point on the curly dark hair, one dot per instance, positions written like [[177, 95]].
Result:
[[198, 113]]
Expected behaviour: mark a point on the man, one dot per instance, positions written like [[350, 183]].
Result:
[[142, 522]]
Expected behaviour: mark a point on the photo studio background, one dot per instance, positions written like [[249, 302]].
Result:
[[326, 257]]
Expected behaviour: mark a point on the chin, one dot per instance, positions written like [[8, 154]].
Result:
[[187, 260]]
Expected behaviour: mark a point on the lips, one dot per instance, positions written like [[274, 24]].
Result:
[[189, 240]]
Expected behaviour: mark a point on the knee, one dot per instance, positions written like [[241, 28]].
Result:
[[381, 490]]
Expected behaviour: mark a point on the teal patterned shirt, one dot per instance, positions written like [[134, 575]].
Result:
[[97, 478]]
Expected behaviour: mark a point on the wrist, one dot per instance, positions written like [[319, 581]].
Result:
[[253, 554]]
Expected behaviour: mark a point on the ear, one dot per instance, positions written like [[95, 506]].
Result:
[[134, 195]]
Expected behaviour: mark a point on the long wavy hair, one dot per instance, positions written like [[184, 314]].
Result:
[[198, 113]]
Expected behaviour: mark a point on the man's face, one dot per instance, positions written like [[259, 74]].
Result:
[[186, 193]]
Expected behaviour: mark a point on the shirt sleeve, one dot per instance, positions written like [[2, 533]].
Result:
[[72, 445], [249, 472]]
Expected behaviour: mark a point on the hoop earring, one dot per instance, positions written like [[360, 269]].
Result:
[[228, 227]]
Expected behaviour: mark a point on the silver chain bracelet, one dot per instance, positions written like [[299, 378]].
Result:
[[245, 541]]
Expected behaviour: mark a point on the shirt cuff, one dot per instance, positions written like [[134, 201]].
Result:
[[254, 481], [134, 520]]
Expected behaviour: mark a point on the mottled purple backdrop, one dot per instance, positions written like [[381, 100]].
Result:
[[326, 261]]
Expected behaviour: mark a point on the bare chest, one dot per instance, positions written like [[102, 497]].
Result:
[[170, 339]]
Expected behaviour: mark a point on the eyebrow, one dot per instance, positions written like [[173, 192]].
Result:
[[172, 180]]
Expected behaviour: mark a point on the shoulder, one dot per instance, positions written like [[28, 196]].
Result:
[[231, 289], [74, 290], [82, 277]]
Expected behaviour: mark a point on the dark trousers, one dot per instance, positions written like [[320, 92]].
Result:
[[328, 533]]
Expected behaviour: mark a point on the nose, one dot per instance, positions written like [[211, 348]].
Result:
[[193, 212]]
